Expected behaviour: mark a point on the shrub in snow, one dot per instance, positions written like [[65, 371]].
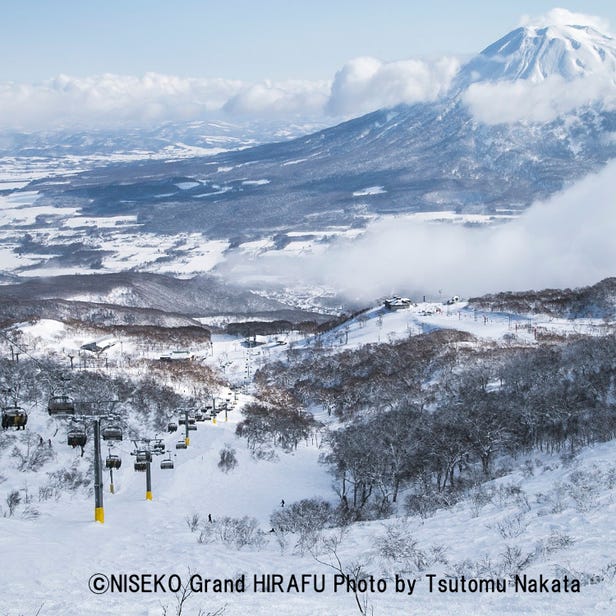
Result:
[[193, 521], [228, 460], [427, 503], [483, 568], [583, 488], [514, 561], [233, 532], [13, 500], [555, 541], [511, 526], [306, 518], [306, 515], [399, 546], [479, 497], [33, 453], [69, 479]]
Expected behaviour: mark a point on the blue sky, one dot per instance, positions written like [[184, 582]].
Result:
[[246, 40]]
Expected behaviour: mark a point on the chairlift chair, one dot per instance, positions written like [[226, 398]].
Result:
[[191, 427], [166, 464], [141, 467], [199, 416], [61, 405], [158, 447], [113, 461], [181, 445], [191, 420], [144, 456], [14, 417], [112, 433], [172, 427], [76, 437]]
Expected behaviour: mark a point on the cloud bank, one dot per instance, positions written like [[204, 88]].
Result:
[[366, 84], [526, 101], [362, 85], [565, 241]]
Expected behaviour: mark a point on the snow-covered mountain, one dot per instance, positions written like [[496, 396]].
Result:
[[537, 53]]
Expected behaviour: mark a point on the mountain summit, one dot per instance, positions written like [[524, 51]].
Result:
[[535, 53]]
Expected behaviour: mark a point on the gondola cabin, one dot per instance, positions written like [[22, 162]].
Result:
[[112, 433], [14, 417], [76, 438], [61, 405], [113, 461]]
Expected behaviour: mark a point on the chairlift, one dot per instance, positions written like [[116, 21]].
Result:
[[158, 447], [172, 427], [166, 464], [191, 427], [141, 467], [14, 417], [144, 456], [61, 405], [112, 433], [181, 445], [76, 437], [113, 461], [191, 420], [199, 416]]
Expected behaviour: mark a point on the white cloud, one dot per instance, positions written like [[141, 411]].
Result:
[[268, 98], [564, 17], [524, 100], [112, 100], [366, 84], [566, 241]]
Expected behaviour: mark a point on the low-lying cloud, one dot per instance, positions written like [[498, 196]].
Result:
[[544, 101], [106, 100], [366, 84], [563, 242]]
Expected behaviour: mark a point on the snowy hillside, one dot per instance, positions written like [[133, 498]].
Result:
[[546, 515]]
